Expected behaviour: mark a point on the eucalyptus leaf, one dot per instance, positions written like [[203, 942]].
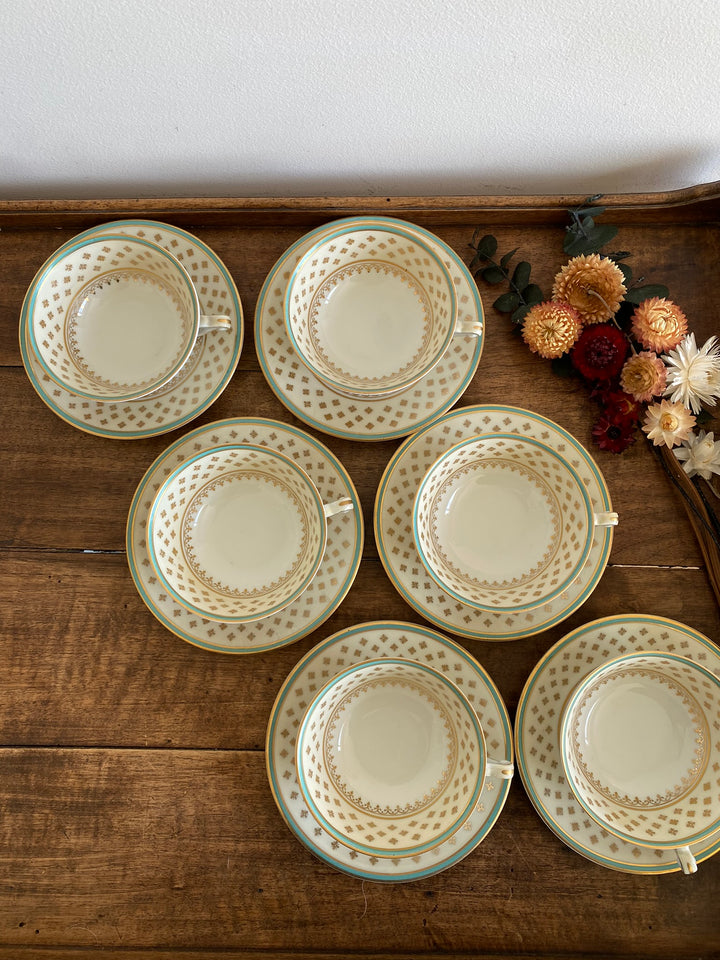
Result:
[[532, 294], [507, 302], [591, 211], [493, 275], [638, 294], [487, 246], [520, 314], [626, 272], [596, 238], [508, 257], [521, 275]]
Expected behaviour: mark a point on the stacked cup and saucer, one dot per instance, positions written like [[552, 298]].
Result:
[[389, 752], [368, 328], [113, 334], [244, 535], [618, 740], [494, 522]]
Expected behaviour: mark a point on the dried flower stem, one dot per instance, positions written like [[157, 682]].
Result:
[[702, 520]]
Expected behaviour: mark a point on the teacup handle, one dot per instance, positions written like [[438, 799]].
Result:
[[213, 322], [609, 519], [338, 506], [472, 328], [687, 861], [497, 768]]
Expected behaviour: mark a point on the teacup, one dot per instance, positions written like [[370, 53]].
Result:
[[236, 533], [391, 758], [115, 318], [372, 309], [640, 745], [502, 522]]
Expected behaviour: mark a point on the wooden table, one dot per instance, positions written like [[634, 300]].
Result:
[[135, 814]]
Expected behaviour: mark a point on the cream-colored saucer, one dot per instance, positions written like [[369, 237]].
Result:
[[394, 522], [315, 403], [202, 378], [370, 641], [329, 585], [537, 732]]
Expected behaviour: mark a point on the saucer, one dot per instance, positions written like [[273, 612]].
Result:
[[537, 726], [202, 378], [322, 408], [371, 641], [393, 522], [330, 584]]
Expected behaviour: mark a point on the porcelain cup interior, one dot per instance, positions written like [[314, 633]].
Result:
[[371, 309], [391, 759], [115, 318], [503, 522], [236, 533], [640, 746]]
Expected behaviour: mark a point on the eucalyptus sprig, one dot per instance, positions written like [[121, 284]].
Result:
[[522, 294], [583, 235]]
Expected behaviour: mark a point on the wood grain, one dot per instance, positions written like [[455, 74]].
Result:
[[134, 848], [135, 815]]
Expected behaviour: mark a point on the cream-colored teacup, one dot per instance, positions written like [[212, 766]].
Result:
[[236, 533], [640, 746], [115, 318], [371, 309], [391, 758], [503, 522]]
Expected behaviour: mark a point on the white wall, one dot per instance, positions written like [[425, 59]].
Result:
[[291, 97]]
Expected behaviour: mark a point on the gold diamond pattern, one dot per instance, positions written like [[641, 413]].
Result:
[[367, 642], [329, 585], [203, 376], [537, 729], [394, 532], [318, 406]]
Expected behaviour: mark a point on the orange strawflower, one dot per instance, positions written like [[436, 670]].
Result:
[[644, 376], [550, 329], [594, 285], [658, 324]]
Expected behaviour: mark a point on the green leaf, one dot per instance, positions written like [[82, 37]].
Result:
[[596, 238], [587, 223], [626, 272], [520, 314], [521, 275], [532, 294], [507, 302], [493, 275], [487, 247], [591, 211], [508, 257], [638, 294]]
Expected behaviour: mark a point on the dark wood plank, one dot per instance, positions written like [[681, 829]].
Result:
[[54, 476], [135, 849], [87, 664]]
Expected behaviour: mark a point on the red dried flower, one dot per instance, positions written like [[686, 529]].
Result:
[[618, 405], [600, 352], [614, 433]]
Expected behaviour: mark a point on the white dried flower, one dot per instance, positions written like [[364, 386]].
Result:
[[700, 455], [693, 375]]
